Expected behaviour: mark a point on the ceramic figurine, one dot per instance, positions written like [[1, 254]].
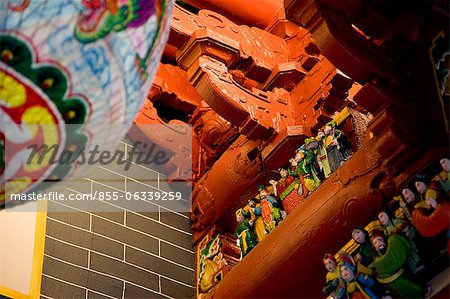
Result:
[[398, 226], [428, 193], [431, 219], [312, 146], [260, 231], [407, 205], [286, 190], [294, 171], [211, 265], [404, 207], [365, 253], [322, 158], [244, 232], [207, 278], [337, 146], [444, 176], [409, 196], [355, 285], [301, 168], [434, 223], [391, 226], [389, 263], [332, 283], [269, 211]]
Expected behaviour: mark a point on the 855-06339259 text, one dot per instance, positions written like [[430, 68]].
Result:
[[98, 195]]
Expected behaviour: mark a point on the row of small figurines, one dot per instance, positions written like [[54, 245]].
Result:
[[314, 161], [386, 259]]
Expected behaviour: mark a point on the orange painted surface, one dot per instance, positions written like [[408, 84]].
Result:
[[254, 92], [257, 13]]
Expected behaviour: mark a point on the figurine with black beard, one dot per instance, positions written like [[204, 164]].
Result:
[[390, 265]]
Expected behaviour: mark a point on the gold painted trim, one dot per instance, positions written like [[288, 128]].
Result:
[[38, 256], [391, 278], [13, 294], [342, 116]]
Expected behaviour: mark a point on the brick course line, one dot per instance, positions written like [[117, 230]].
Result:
[[124, 244], [135, 213], [89, 249], [103, 254], [101, 273], [179, 282], [161, 258], [75, 285], [162, 223], [114, 277], [125, 176], [126, 210], [120, 242]]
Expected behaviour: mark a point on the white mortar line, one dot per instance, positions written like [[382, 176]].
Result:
[[118, 241], [76, 285]]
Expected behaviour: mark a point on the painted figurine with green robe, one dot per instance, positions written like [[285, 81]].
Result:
[[390, 261], [247, 239], [301, 168], [312, 149], [365, 254], [398, 226]]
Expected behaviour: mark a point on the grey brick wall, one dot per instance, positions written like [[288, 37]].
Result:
[[116, 252]]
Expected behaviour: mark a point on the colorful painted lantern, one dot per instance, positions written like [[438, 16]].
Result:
[[87, 64]]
